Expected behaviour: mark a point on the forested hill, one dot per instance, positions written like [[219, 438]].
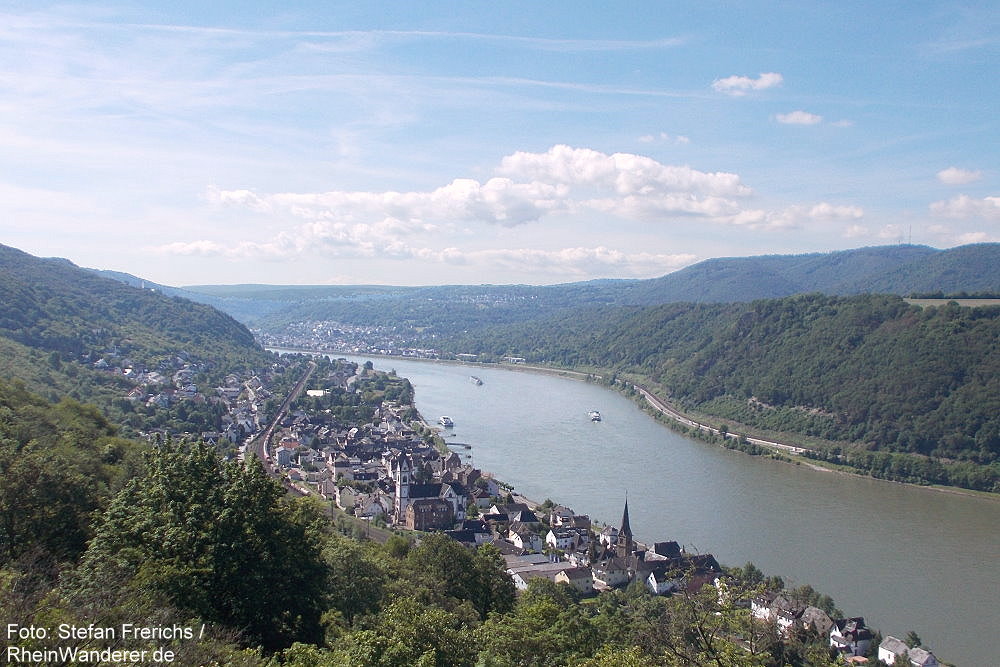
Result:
[[870, 369], [57, 320], [440, 310]]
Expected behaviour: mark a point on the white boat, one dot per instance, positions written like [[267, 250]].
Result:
[[446, 421], [475, 380], [594, 415]]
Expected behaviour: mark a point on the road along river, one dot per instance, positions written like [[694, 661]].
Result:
[[904, 557]]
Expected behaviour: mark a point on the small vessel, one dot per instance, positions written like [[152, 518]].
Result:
[[446, 421], [594, 415], [475, 380]]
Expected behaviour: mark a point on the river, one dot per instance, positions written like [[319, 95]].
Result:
[[905, 558]]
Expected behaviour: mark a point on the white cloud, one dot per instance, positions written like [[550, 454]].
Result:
[[977, 237], [624, 173], [796, 216], [964, 206], [855, 231], [738, 86], [892, 233], [664, 137], [799, 117], [527, 188], [956, 176], [565, 263]]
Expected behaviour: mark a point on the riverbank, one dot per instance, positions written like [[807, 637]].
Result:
[[792, 454]]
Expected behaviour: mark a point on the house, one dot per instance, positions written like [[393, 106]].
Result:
[[921, 657], [284, 455], [609, 536], [523, 573], [580, 579], [893, 651], [850, 636], [579, 558], [558, 514], [564, 540], [523, 538], [369, 507], [760, 606], [816, 620], [662, 581], [611, 572], [662, 550], [516, 512]]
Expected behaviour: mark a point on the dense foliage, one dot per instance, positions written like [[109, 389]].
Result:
[[867, 370], [52, 305], [66, 331], [59, 463]]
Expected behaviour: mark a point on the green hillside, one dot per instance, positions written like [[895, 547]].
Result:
[[66, 331], [54, 306], [733, 279], [426, 312], [867, 370]]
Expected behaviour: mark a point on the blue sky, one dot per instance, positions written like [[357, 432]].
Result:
[[442, 143]]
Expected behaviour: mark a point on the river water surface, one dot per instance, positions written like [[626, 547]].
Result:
[[905, 558]]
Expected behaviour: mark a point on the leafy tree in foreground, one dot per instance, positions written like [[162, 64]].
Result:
[[214, 540]]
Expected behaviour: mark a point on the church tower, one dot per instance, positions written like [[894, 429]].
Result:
[[625, 544], [402, 475]]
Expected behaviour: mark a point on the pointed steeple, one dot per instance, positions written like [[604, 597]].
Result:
[[625, 543], [626, 529]]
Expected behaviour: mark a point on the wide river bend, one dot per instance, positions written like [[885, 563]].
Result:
[[904, 557]]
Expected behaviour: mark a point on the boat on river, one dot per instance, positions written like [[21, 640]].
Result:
[[594, 415], [475, 380], [446, 421]]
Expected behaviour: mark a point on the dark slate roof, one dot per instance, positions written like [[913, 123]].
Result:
[[425, 490], [669, 549], [464, 536]]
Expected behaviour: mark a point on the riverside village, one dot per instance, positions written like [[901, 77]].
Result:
[[396, 472]]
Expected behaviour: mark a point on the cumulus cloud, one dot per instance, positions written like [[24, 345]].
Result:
[[624, 173], [738, 86], [956, 176], [572, 263], [963, 206], [525, 188], [796, 216], [799, 117], [855, 231]]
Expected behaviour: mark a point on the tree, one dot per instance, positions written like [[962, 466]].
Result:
[[355, 582], [446, 568], [912, 639], [208, 538], [408, 633]]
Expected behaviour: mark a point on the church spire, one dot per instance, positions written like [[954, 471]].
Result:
[[625, 543], [626, 529]]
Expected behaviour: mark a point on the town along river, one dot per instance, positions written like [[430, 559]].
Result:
[[905, 558]]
